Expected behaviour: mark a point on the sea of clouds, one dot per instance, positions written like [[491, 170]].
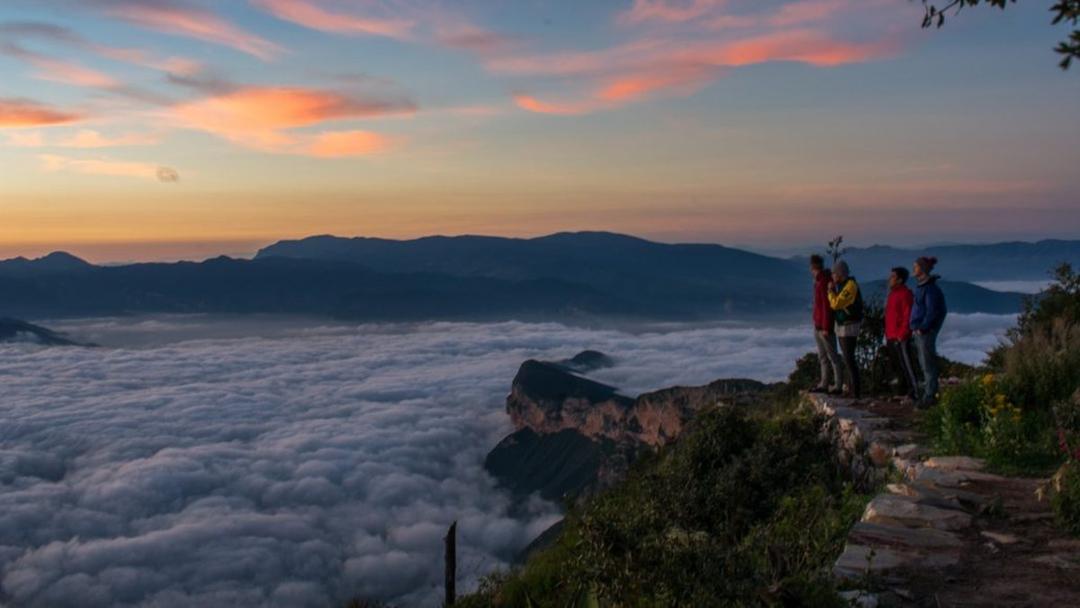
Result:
[[296, 464]]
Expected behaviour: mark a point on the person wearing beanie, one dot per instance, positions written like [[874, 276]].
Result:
[[832, 375], [898, 329], [845, 299], [928, 312]]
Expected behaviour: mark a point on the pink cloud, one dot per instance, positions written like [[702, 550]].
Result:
[[195, 23], [67, 72], [671, 11], [696, 42], [19, 113], [313, 16]]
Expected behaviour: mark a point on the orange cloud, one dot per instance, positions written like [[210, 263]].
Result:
[[194, 23], [260, 117], [312, 16], [532, 104], [18, 113], [338, 144]]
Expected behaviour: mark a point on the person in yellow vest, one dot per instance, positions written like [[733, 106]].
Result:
[[845, 298]]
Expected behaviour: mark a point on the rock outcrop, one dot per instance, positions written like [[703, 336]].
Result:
[[549, 398], [14, 330], [576, 435]]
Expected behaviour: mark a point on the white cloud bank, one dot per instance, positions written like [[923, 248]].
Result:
[[301, 467]]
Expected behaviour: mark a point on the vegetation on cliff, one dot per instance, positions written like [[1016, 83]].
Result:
[[748, 508], [1022, 412]]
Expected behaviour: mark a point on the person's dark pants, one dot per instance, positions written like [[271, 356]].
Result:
[[851, 364], [901, 355], [926, 347]]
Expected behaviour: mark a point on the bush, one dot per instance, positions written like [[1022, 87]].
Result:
[[1065, 497], [743, 510], [978, 418]]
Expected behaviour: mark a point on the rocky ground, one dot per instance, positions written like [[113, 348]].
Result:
[[944, 532]]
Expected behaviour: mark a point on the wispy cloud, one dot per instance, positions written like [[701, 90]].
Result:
[[18, 113], [671, 11], [314, 16], [113, 168], [262, 118], [420, 24], [183, 19], [676, 48], [83, 138]]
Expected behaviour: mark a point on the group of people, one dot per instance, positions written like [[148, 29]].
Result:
[[910, 318]]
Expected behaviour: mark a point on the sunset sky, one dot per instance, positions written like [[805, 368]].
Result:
[[168, 129]]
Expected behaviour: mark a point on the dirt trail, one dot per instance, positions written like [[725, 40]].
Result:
[[948, 534]]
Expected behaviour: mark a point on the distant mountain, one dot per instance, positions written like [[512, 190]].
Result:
[[992, 262], [962, 297], [707, 277], [339, 289], [480, 278], [14, 330], [55, 262]]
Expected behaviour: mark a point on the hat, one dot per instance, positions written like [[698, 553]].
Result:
[[927, 263]]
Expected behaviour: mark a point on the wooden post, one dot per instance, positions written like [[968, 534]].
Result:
[[451, 565]]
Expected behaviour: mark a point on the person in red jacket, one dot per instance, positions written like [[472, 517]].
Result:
[[832, 376], [898, 328]]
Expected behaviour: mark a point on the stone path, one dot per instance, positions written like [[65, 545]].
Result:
[[944, 533]]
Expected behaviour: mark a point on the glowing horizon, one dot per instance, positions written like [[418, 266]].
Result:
[[168, 129]]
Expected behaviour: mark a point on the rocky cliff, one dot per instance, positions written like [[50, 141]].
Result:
[[548, 398], [575, 435]]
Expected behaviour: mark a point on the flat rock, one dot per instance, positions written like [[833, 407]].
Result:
[[857, 559], [1066, 561], [877, 535], [955, 463], [951, 479], [908, 511], [860, 599], [1000, 537], [910, 451]]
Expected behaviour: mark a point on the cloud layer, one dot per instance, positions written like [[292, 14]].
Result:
[[298, 465]]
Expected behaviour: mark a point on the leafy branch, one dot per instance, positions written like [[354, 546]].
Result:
[[1065, 11]]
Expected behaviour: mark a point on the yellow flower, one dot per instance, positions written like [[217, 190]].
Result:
[[988, 379]]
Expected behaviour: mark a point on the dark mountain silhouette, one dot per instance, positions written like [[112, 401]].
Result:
[[558, 276], [14, 330], [962, 297], [628, 266], [58, 261], [990, 262]]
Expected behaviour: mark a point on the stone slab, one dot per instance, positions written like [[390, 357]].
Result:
[[907, 511]]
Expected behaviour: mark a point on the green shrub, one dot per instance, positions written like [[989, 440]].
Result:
[[977, 418], [1043, 366], [743, 510], [1065, 497]]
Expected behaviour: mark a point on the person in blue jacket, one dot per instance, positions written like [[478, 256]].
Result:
[[927, 316]]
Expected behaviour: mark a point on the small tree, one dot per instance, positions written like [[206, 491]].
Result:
[[835, 249], [1067, 11]]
